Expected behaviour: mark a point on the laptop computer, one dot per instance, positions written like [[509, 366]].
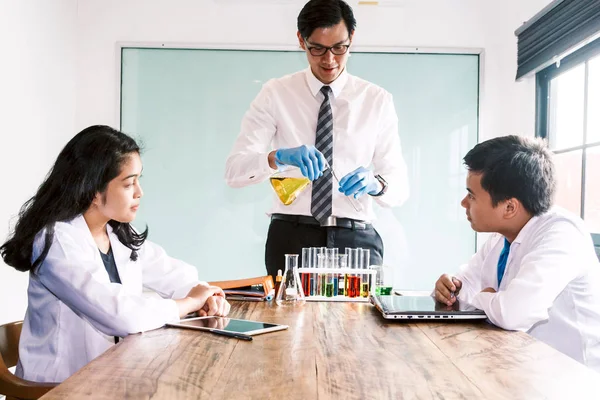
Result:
[[423, 307]]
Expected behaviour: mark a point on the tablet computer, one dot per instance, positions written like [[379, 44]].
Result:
[[224, 324]]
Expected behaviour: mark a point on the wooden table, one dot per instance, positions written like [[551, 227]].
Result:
[[333, 351]]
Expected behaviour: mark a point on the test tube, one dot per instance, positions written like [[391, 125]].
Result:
[[354, 284], [322, 275], [342, 263], [357, 258], [306, 263], [347, 275], [321, 257], [330, 286], [364, 285], [335, 264], [313, 276]]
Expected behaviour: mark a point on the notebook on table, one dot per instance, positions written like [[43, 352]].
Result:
[[250, 289], [423, 307]]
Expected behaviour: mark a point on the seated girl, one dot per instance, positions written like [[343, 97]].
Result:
[[87, 265]]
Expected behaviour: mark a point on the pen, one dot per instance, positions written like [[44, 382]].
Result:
[[232, 334]]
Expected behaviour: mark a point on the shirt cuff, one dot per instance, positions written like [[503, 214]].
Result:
[[173, 311], [264, 166]]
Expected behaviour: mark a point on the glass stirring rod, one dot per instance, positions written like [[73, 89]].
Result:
[[355, 203]]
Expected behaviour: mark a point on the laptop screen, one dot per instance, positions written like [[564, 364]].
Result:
[[423, 305]]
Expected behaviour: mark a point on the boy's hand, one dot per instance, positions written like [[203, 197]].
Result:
[[446, 289]]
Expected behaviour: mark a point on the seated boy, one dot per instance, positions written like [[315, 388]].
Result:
[[538, 273]]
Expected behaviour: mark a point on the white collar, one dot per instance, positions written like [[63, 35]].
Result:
[[336, 86], [120, 251]]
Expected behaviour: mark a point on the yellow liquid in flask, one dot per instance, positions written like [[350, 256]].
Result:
[[288, 188]]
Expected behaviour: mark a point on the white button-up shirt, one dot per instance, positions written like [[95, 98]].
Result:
[[365, 131], [550, 288]]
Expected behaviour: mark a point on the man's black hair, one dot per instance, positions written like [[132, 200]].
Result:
[[324, 14]]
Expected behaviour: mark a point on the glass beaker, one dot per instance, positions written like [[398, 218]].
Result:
[[288, 184], [354, 202], [290, 292], [384, 280]]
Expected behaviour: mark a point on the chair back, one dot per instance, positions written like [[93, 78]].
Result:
[[9, 343], [12, 386]]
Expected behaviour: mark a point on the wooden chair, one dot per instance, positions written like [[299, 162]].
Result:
[[12, 386]]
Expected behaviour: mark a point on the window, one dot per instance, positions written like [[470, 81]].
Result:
[[568, 115]]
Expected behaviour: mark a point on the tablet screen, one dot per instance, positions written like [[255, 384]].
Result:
[[229, 324]]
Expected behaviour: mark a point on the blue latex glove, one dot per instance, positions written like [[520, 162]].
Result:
[[310, 160], [359, 182]]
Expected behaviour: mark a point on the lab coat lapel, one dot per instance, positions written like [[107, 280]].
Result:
[[120, 252], [79, 223]]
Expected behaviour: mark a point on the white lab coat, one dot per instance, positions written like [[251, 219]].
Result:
[[74, 311], [550, 288]]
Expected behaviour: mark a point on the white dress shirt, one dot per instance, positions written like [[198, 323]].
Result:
[[365, 132], [74, 311], [550, 288]]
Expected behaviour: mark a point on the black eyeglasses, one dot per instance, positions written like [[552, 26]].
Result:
[[338, 49]]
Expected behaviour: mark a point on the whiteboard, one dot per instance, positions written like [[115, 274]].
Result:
[[186, 106]]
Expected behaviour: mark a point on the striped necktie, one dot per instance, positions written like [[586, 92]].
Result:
[[322, 191]]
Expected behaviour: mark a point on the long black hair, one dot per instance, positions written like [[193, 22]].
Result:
[[83, 169]]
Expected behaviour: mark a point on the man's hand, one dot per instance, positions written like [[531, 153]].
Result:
[[446, 289], [488, 290], [359, 182], [310, 160]]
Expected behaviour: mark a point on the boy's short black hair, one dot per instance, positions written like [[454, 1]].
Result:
[[515, 167]]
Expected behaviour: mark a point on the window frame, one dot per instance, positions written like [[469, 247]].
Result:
[[543, 79]]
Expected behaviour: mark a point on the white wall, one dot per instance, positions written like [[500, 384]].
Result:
[[56, 52], [37, 110], [506, 107]]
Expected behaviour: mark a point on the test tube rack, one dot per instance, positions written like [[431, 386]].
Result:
[[315, 284]]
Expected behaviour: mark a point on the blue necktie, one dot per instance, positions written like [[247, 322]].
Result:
[[502, 261]]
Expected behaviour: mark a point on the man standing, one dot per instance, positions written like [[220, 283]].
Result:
[[318, 120]]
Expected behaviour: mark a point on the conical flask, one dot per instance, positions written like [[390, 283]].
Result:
[[288, 184], [290, 291]]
